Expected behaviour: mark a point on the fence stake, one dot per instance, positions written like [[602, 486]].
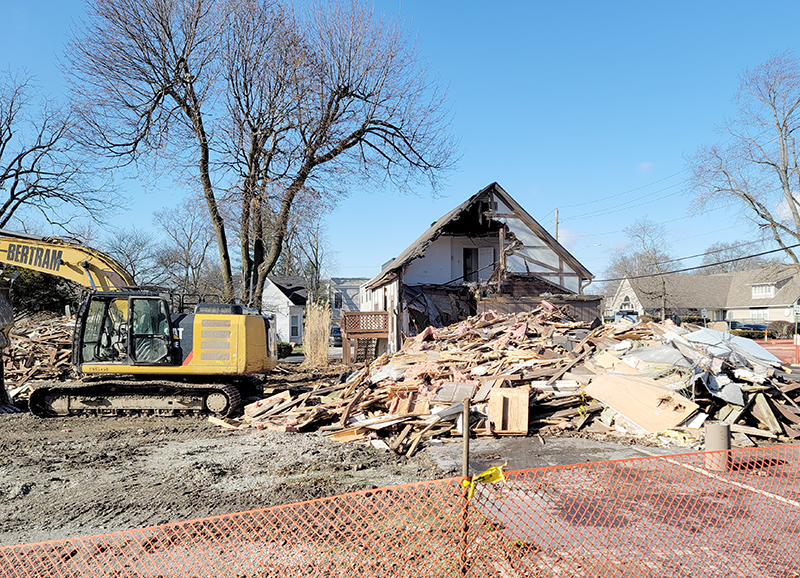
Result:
[[465, 473], [465, 442]]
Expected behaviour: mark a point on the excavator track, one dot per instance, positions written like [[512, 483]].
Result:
[[121, 397]]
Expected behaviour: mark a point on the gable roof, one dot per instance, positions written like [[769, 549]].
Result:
[[719, 291], [293, 287], [784, 277], [417, 248], [683, 291]]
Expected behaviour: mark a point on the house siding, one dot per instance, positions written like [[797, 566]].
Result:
[[275, 302]]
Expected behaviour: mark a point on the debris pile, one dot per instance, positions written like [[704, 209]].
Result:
[[40, 350], [541, 371]]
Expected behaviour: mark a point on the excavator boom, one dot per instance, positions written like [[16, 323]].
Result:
[[66, 259]]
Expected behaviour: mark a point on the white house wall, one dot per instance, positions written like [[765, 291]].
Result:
[[435, 266], [274, 301], [386, 298], [444, 261]]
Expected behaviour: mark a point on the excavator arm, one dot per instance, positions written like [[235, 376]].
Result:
[[65, 259]]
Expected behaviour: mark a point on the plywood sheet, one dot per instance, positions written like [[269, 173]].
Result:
[[452, 391], [508, 410], [639, 399]]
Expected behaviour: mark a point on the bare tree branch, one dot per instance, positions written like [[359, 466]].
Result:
[[757, 166]]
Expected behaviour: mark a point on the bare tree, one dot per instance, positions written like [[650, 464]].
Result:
[[757, 165], [318, 100], [138, 251], [313, 247], [144, 72], [724, 257], [40, 167], [645, 261], [185, 254], [312, 101]]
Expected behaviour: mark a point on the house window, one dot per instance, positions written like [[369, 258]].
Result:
[[759, 314], [764, 291], [294, 326], [337, 300], [626, 304]]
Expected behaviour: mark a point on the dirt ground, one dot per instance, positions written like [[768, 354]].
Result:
[[77, 476], [68, 477]]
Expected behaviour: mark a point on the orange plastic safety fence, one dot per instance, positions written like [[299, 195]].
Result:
[[723, 514]]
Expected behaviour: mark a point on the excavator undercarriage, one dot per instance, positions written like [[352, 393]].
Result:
[[122, 397]]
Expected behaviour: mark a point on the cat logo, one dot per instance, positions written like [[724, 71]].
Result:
[[34, 256]]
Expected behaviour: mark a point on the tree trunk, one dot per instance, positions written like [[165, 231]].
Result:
[[245, 224], [280, 225]]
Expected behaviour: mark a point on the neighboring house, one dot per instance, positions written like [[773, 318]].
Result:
[[756, 296], [344, 296], [487, 247], [286, 297]]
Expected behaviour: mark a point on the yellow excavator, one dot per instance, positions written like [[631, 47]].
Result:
[[136, 355]]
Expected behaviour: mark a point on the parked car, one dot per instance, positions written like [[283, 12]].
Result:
[[336, 336], [752, 327]]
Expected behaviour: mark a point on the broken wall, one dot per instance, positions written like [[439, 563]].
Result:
[[586, 309], [535, 256]]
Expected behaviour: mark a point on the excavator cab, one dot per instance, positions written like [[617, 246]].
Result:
[[127, 329]]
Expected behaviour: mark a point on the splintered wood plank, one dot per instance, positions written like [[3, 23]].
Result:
[[226, 422], [763, 413], [752, 431], [413, 404], [349, 435], [786, 412], [639, 399], [508, 410], [263, 405]]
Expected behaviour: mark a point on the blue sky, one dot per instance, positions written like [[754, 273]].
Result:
[[587, 107]]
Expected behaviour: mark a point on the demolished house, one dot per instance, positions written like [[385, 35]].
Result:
[[487, 253], [539, 372]]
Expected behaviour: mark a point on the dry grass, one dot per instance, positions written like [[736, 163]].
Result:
[[316, 334]]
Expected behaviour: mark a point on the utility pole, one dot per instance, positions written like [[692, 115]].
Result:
[[556, 228]]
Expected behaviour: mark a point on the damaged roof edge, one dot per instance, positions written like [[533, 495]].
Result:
[[417, 248], [542, 232]]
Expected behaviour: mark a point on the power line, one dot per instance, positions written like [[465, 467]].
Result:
[[607, 210], [714, 251], [650, 275], [614, 196], [706, 212]]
